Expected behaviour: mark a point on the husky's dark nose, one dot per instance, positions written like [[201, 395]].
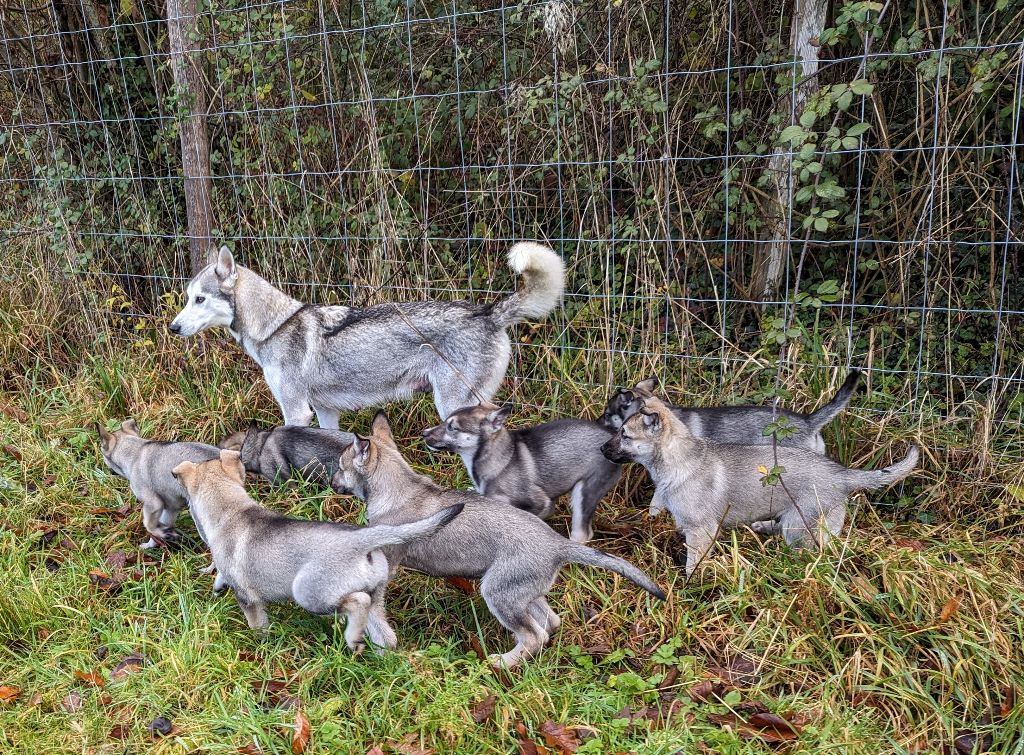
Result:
[[612, 452], [174, 328]]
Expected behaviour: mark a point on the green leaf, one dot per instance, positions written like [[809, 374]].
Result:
[[808, 118], [858, 128], [792, 134], [862, 87], [820, 224], [844, 100]]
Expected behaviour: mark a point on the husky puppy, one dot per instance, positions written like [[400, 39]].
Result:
[[514, 554], [328, 568], [275, 453], [147, 465], [338, 358], [737, 424], [710, 487], [530, 468]]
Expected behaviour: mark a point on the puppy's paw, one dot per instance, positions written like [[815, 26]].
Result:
[[357, 648], [151, 543], [209, 569]]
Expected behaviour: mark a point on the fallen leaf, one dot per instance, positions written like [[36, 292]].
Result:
[[968, 742], [1009, 701], [105, 510], [708, 691], [909, 543], [526, 745], [129, 665], [160, 726], [15, 412], [37, 699], [484, 709], [12, 451], [73, 702], [100, 652], [120, 559], [120, 731], [300, 738], [406, 746], [742, 672], [774, 722], [465, 585], [9, 694], [561, 737], [252, 749], [948, 610], [768, 727], [105, 698], [375, 751], [90, 677]]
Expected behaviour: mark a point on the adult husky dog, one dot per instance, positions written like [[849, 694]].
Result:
[[335, 358]]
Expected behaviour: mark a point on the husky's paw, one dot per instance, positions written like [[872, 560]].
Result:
[[654, 510], [766, 527], [151, 543], [209, 569], [357, 648]]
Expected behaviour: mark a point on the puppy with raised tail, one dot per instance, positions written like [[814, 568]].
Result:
[[147, 465], [738, 424], [514, 554], [328, 568], [710, 487], [529, 468], [276, 452]]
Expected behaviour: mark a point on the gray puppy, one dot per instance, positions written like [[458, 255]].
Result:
[[737, 424], [710, 487], [529, 468], [514, 554], [277, 452], [147, 465], [328, 568]]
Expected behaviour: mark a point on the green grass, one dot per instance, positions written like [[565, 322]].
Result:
[[849, 642]]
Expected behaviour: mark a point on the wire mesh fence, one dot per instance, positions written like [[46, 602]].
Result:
[[739, 189]]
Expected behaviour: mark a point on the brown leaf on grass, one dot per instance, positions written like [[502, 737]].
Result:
[[11, 450], [300, 738], [949, 609], [90, 677], [406, 746], [708, 690], [73, 702], [768, 727], [464, 585], [105, 698], [909, 543], [104, 581], [129, 665], [375, 750], [9, 694], [670, 679], [120, 559], [741, 671], [105, 511], [526, 745], [276, 692], [967, 742], [1009, 703], [563, 738], [484, 709], [14, 412], [253, 749], [119, 731], [36, 699]]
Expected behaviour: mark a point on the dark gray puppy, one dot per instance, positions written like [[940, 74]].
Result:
[[328, 568], [530, 468], [275, 453], [710, 487], [737, 424], [514, 554], [147, 465]]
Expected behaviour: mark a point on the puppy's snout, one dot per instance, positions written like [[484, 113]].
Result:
[[612, 452], [433, 435], [175, 328]]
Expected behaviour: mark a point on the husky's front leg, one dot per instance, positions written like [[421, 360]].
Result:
[[328, 418], [294, 402], [152, 515]]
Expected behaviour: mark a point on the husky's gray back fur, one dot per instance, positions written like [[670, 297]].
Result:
[[710, 487], [739, 424], [335, 358], [328, 568], [274, 453], [529, 468], [147, 465], [515, 555]]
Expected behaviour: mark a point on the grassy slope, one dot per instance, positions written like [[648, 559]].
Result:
[[851, 640]]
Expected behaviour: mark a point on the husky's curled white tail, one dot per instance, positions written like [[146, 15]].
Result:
[[332, 358]]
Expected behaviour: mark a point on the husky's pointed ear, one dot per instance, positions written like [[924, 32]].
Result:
[[226, 270], [647, 387], [498, 416], [107, 440], [130, 427], [360, 450], [380, 430], [184, 471], [231, 463], [651, 420]]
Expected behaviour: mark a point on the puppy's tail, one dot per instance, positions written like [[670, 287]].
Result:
[[835, 407], [876, 479], [383, 535], [543, 283], [581, 554]]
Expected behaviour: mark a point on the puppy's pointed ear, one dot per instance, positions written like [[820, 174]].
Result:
[[130, 427], [107, 440], [651, 420], [231, 463], [647, 387], [226, 270], [498, 416], [360, 450], [184, 472], [380, 431]]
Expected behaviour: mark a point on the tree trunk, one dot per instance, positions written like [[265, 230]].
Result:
[[808, 22], [195, 146]]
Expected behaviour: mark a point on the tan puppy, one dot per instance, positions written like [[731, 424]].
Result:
[[328, 568]]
